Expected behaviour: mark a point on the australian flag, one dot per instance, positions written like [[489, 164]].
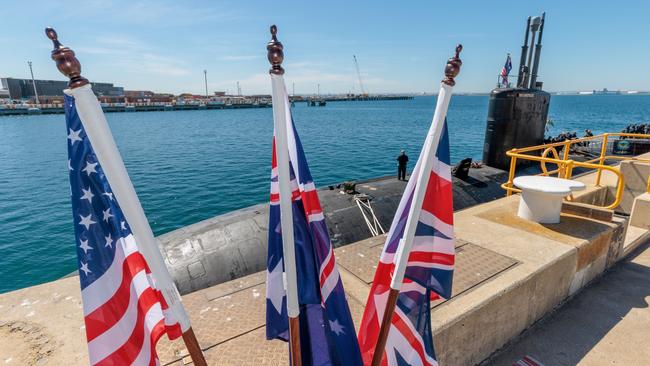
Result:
[[429, 270], [327, 335]]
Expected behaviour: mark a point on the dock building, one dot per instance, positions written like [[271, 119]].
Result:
[[23, 89]]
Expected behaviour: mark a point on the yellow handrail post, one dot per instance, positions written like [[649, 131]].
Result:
[[569, 169], [603, 152], [511, 174]]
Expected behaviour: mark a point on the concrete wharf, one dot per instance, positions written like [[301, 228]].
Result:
[[509, 274]]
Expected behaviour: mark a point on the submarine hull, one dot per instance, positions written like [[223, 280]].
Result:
[[233, 245]]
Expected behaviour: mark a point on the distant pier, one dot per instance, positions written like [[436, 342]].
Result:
[[353, 98], [29, 109], [138, 107]]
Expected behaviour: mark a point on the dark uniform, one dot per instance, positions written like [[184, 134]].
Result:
[[402, 159]]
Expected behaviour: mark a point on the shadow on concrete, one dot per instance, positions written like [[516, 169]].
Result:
[[573, 331], [578, 227]]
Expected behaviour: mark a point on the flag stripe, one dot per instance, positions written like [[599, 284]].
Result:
[[102, 290], [103, 318]]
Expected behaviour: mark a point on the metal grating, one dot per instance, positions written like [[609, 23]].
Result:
[[229, 319]]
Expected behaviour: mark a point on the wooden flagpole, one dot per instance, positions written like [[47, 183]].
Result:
[[404, 248], [109, 157], [275, 55]]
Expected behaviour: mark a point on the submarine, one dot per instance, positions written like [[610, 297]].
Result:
[[234, 245], [517, 116]]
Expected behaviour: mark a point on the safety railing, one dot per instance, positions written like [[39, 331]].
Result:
[[565, 165]]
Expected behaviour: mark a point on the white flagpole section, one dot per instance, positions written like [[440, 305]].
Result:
[[109, 158], [429, 155], [282, 117]]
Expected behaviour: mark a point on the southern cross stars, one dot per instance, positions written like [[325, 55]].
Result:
[[73, 136], [90, 168], [275, 293], [336, 327], [86, 221]]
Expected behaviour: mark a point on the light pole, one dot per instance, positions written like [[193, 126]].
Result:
[[29, 63], [205, 76]]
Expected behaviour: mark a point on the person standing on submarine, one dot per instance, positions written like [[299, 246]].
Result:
[[402, 160]]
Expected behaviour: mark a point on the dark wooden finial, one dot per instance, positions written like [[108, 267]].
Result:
[[275, 53], [453, 67], [66, 61]]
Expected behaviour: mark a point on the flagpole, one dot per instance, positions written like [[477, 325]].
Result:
[[404, 248], [109, 158], [280, 118]]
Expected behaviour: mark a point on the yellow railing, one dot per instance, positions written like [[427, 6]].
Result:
[[565, 165]]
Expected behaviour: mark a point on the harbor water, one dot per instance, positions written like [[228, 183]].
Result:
[[191, 165]]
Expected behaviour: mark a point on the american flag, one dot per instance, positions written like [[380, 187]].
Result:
[[326, 329], [428, 273], [505, 71], [124, 313]]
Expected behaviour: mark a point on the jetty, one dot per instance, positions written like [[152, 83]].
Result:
[[354, 98], [135, 107], [34, 109]]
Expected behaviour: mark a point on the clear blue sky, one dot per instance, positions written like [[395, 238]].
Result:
[[401, 46]]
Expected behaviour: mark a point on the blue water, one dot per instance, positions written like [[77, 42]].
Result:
[[192, 165]]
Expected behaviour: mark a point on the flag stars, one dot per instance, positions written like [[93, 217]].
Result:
[[88, 195], [275, 293], [123, 225], [90, 168], [109, 195], [86, 221], [84, 268], [109, 241], [336, 327], [70, 166], [73, 136], [84, 245], [107, 214]]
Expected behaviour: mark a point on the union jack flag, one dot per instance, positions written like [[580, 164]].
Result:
[[124, 313], [505, 71], [428, 273], [327, 335]]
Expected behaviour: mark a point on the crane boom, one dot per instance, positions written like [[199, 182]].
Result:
[[356, 65]]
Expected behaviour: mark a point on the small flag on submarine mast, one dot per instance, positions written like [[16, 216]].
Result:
[[129, 298], [305, 300], [505, 72], [417, 262]]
